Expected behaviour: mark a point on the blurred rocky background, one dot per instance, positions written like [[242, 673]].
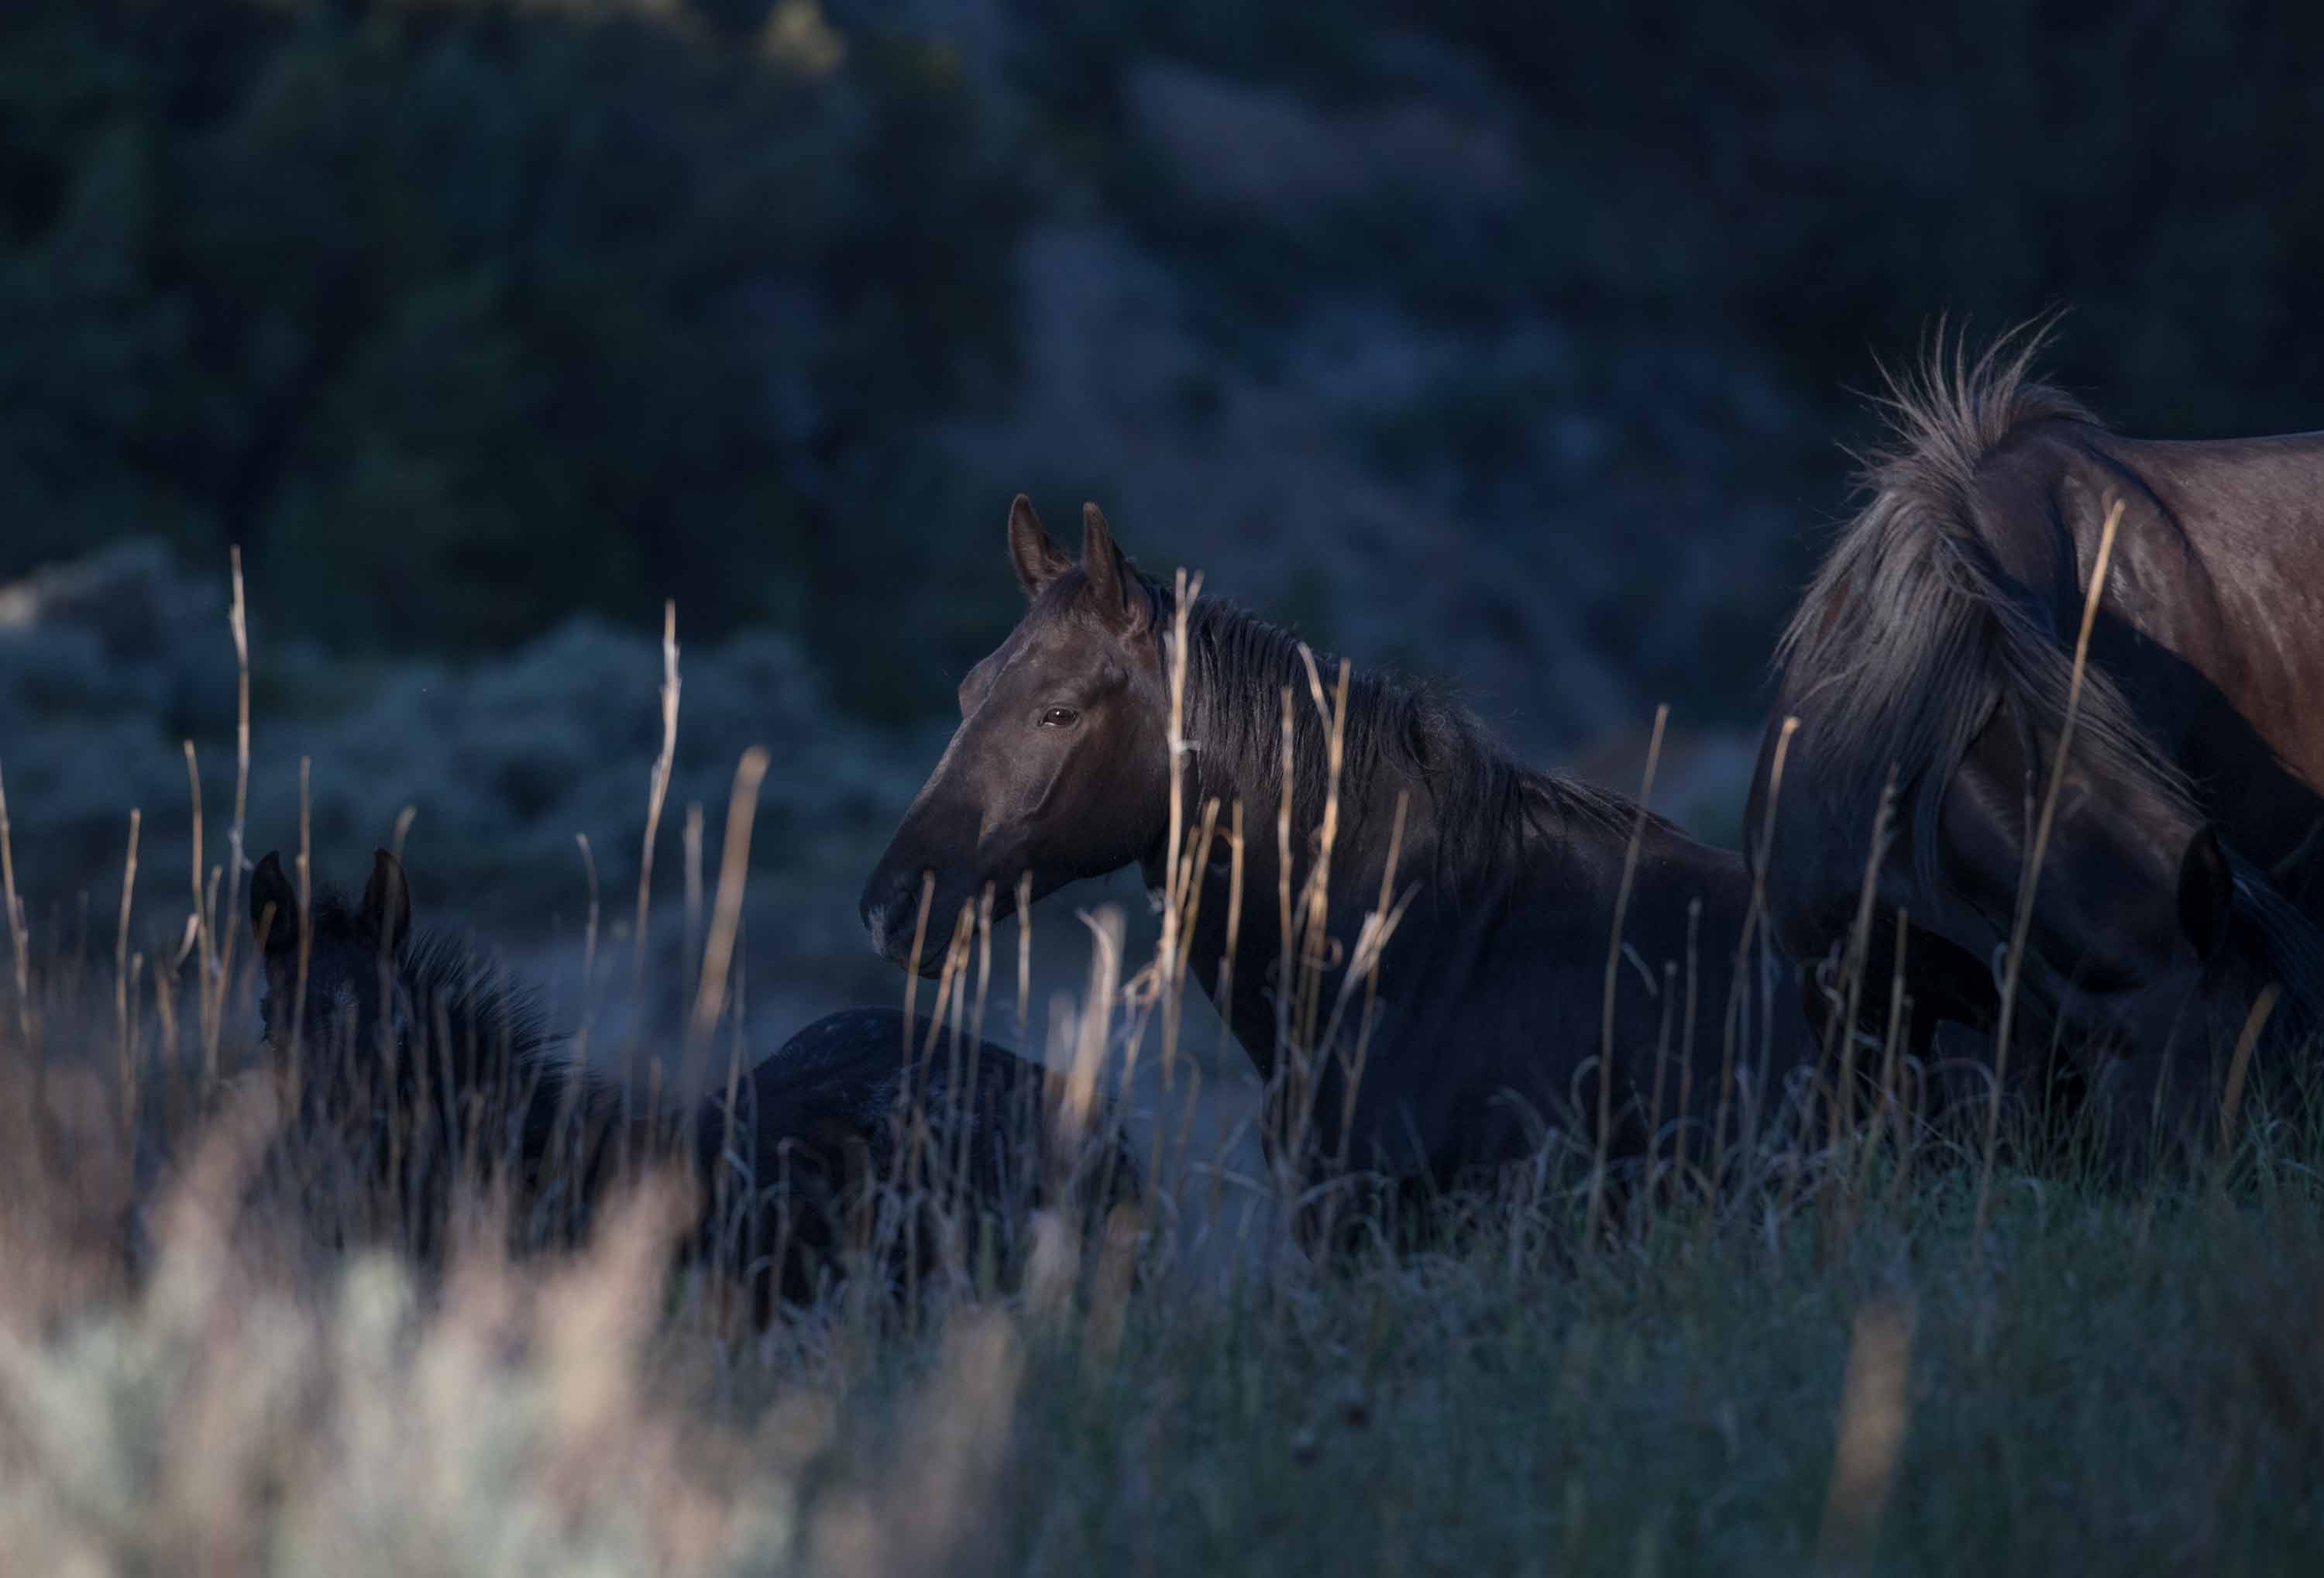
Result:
[[1516, 344]]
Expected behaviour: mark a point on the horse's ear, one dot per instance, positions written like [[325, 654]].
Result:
[[273, 907], [1038, 560], [2207, 894], [387, 900], [1111, 590]]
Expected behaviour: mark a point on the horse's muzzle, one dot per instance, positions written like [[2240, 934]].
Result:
[[890, 909]]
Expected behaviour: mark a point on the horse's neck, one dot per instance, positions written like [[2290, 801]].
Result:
[[1359, 861]]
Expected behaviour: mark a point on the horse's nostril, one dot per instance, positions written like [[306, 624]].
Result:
[[885, 907]]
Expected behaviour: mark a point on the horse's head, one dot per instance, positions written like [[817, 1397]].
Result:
[[2149, 948], [1059, 767], [348, 996]]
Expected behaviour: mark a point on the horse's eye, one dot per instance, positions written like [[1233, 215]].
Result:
[[1060, 718]]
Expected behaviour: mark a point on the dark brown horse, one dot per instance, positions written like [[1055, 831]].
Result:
[[1491, 984], [429, 1068], [1937, 639]]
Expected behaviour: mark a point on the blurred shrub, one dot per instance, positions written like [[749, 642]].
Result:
[[1806, 183], [461, 316], [108, 663], [464, 314]]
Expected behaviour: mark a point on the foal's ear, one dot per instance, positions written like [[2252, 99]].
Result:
[[273, 907], [1113, 590], [2207, 894], [387, 900], [1038, 560]]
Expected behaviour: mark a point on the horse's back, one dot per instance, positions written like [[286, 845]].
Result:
[[1501, 1034], [863, 1075], [2213, 623]]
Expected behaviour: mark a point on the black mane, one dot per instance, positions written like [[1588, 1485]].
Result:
[[472, 995], [470, 1013], [1487, 805]]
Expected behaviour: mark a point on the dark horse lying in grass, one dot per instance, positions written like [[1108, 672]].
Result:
[[1492, 983], [1937, 641], [432, 1070]]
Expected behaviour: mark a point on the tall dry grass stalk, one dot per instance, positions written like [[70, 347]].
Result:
[[1092, 1031], [35, 1127], [1858, 957], [1284, 973], [1024, 952], [1315, 897], [1686, 1034], [226, 918], [1607, 1059], [1891, 1117], [591, 919], [656, 792], [306, 872], [1735, 1025], [1308, 948], [690, 843], [2030, 877], [2239, 1065], [912, 959], [205, 936], [726, 912], [125, 1038], [1179, 884], [1873, 1415]]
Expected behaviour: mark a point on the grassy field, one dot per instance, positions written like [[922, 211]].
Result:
[[1847, 1364], [1834, 1372], [2127, 1385]]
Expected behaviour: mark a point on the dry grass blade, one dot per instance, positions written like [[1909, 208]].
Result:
[[123, 1038], [1311, 920], [306, 863], [2029, 882], [1024, 952], [238, 627], [589, 924], [690, 842], [984, 901], [1378, 930], [19, 938], [912, 961], [205, 936], [1175, 887], [726, 910], [1286, 1055], [36, 1093], [1841, 1031], [1873, 1412], [1686, 1034], [1606, 1053], [657, 792], [658, 781], [2239, 1065], [1093, 1028], [1735, 1024]]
